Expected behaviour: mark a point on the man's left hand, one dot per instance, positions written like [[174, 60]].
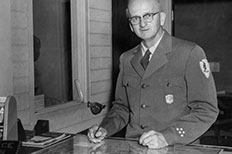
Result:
[[153, 139]]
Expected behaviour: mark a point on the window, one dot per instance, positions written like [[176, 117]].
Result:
[[52, 51]]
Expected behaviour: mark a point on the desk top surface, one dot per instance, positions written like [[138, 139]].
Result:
[[80, 144], [123, 146]]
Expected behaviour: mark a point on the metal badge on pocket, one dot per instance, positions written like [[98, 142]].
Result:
[[169, 98]]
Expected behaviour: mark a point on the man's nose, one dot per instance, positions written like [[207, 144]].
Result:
[[142, 22]]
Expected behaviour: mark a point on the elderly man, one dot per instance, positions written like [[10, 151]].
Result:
[[165, 92]]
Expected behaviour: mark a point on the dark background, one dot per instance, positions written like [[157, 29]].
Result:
[[205, 22]]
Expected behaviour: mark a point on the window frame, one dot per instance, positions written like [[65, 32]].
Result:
[[80, 60]]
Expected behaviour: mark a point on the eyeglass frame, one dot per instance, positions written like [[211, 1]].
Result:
[[151, 14]]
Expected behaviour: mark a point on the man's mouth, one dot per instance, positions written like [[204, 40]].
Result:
[[144, 30]]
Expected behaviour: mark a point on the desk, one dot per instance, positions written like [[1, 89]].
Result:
[[81, 145]]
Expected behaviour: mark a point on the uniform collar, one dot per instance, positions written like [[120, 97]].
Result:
[[158, 60]]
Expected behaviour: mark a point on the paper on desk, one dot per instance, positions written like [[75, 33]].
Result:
[[41, 141]]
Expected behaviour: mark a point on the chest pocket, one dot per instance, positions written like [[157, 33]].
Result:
[[175, 86], [130, 82]]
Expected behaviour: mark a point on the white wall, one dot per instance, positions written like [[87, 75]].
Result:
[[5, 49]]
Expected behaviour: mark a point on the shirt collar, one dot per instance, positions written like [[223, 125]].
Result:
[[151, 49]]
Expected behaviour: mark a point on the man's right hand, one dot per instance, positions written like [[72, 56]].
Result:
[[96, 134]]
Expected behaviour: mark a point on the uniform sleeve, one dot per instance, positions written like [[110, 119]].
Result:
[[201, 99], [118, 115]]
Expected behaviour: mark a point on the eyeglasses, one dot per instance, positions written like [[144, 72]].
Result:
[[148, 17]]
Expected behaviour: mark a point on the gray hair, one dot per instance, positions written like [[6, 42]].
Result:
[[157, 2]]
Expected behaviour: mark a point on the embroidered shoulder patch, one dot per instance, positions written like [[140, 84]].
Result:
[[204, 65]]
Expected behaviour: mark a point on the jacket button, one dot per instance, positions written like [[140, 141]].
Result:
[[143, 106], [144, 86], [142, 126], [168, 84]]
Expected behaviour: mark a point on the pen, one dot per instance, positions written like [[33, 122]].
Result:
[[96, 132]]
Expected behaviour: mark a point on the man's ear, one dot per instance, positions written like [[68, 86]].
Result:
[[131, 27], [128, 15], [162, 18]]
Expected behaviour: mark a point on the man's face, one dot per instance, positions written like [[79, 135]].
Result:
[[146, 30]]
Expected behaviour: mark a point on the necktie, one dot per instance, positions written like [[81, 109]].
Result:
[[145, 60]]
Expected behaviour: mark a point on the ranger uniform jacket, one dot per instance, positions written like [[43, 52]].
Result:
[[175, 95]]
